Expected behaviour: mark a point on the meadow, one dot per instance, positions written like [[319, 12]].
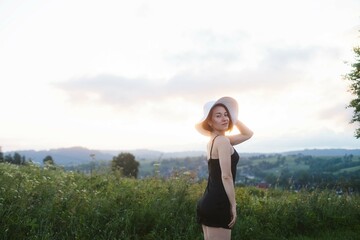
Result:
[[40, 203]]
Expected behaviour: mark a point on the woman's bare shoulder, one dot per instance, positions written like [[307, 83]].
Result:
[[222, 141], [222, 144]]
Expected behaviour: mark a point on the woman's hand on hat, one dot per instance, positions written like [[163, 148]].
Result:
[[245, 133]]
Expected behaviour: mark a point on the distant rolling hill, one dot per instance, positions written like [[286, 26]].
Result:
[[80, 155], [64, 156], [332, 152]]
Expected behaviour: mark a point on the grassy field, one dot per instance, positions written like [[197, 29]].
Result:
[[351, 169], [38, 203]]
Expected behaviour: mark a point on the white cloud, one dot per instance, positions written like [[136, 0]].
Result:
[[92, 71]]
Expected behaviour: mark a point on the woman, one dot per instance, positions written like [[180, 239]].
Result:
[[216, 210]]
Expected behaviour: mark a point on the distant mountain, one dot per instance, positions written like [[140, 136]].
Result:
[[140, 154], [145, 154], [65, 156], [80, 155], [151, 155]]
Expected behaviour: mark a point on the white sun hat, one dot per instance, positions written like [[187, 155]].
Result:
[[229, 102]]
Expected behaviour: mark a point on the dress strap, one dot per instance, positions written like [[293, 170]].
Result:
[[212, 144]]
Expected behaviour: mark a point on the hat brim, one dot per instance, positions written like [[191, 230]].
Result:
[[229, 102]]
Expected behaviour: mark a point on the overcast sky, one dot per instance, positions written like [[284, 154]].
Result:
[[113, 75]]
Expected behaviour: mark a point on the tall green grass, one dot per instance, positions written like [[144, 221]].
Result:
[[40, 203]]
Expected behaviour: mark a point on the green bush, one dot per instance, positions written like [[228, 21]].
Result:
[[38, 203]]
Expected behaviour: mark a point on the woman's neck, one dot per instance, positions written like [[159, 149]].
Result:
[[217, 133]]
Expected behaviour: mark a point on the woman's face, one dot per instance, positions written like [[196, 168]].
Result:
[[219, 119]]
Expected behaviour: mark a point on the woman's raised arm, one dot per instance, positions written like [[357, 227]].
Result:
[[245, 133]]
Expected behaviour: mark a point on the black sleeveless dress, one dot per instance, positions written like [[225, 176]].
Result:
[[213, 209]]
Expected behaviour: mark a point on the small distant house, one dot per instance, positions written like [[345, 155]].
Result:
[[263, 185]]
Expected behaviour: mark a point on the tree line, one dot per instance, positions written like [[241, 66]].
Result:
[[124, 163], [16, 158]]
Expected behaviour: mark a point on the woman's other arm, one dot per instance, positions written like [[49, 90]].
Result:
[[225, 150]]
